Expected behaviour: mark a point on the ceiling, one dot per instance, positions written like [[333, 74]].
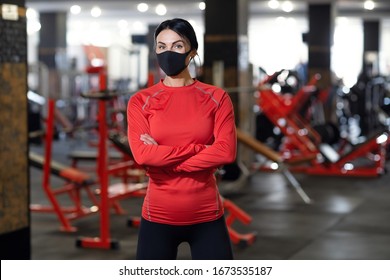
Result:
[[116, 11], [107, 30], [189, 8]]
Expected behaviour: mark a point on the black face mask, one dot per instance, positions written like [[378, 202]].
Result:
[[172, 63]]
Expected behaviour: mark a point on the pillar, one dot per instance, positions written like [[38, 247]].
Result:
[[226, 47], [14, 166], [226, 64], [373, 91], [371, 42], [154, 73], [52, 48], [320, 41]]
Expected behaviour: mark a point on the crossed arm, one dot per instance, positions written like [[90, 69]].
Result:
[[188, 158]]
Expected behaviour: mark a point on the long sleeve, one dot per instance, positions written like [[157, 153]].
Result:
[[153, 155], [194, 129], [223, 150]]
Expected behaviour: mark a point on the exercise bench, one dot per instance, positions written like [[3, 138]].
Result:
[[75, 182]]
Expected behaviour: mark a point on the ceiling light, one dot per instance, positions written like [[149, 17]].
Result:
[[273, 4], [369, 5], [31, 13], [139, 27], [75, 9], [202, 6], [161, 9], [287, 6], [33, 26], [123, 24], [96, 11], [142, 7]]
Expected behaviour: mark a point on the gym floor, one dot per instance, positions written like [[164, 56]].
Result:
[[348, 219]]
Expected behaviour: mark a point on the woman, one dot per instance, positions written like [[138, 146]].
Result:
[[181, 131]]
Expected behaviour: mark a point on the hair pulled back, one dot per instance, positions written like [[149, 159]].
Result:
[[181, 27]]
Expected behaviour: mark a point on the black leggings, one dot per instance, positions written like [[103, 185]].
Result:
[[208, 240]]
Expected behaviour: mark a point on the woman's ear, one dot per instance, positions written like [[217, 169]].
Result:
[[193, 53]]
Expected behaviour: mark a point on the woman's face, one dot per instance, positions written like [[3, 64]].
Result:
[[168, 40]]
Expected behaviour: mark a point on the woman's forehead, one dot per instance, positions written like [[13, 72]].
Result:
[[169, 36]]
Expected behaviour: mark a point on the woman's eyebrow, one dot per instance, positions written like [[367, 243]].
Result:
[[181, 41]]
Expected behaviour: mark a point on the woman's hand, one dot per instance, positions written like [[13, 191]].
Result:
[[147, 139]]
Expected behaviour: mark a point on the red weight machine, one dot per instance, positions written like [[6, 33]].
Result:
[[75, 182], [86, 193], [108, 193], [303, 144], [103, 195]]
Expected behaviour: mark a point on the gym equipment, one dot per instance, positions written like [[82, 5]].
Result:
[[234, 213], [75, 182], [302, 143], [101, 196], [361, 109], [90, 156], [270, 154], [104, 170]]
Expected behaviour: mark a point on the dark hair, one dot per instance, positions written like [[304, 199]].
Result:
[[181, 27]]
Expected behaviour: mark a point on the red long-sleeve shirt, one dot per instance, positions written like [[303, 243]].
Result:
[[195, 131]]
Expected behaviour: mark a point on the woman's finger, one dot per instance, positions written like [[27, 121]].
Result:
[[147, 139]]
